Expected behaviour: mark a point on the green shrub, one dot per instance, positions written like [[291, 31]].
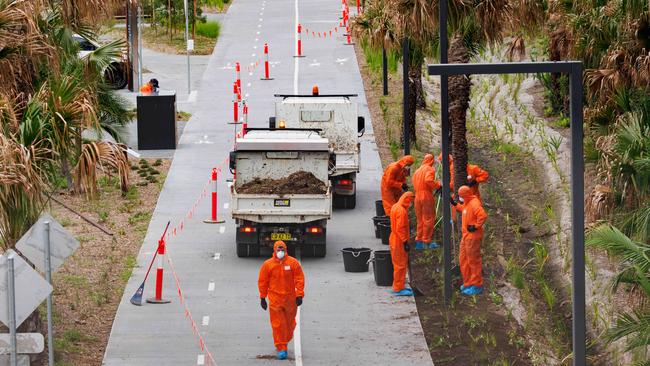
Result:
[[208, 29]]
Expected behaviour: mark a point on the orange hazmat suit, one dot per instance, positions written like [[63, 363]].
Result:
[[400, 234], [392, 180], [282, 280], [473, 215], [425, 184]]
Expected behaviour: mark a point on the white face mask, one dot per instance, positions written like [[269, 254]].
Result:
[[279, 254], [461, 200]]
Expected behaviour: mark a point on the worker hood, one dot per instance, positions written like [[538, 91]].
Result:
[[407, 160], [406, 199], [465, 193], [451, 159], [428, 160], [279, 244]]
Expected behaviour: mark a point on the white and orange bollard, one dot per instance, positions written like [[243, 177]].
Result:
[[245, 124], [235, 104], [158, 299], [238, 71], [267, 75], [214, 219], [348, 36], [299, 45]]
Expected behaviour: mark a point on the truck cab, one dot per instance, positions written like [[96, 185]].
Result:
[[268, 204], [337, 117]]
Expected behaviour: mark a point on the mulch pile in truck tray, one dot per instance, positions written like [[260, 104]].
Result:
[[297, 183]]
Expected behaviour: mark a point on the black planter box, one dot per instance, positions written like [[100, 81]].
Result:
[[157, 121]]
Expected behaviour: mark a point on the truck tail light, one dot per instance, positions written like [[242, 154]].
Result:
[[248, 229], [315, 230], [345, 182]]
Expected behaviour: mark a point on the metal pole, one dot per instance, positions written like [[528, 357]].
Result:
[[11, 299], [577, 218], [384, 65], [139, 48], [446, 174], [187, 40], [48, 278], [405, 109]]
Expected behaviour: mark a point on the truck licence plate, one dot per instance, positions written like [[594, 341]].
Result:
[[282, 203], [281, 236]]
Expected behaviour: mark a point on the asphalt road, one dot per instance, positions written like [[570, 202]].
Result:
[[345, 318]]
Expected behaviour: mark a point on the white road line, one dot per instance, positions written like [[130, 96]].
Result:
[[205, 321], [297, 342], [200, 360], [222, 229], [216, 256], [210, 286]]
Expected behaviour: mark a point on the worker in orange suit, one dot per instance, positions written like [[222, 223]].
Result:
[[393, 182], [282, 280], [475, 176], [425, 184], [473, 219], [399, 243]]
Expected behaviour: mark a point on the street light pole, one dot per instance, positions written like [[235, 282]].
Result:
[[187, 44]]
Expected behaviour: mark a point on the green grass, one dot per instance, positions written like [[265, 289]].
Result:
[[373, 58], [129, 264], [139, 217], [208, 29]]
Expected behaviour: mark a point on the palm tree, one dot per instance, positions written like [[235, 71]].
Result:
[[635, 272]]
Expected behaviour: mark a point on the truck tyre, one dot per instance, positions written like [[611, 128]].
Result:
[[314, 250], [320, 251], [115, 76], [347, 202], [271, 122]]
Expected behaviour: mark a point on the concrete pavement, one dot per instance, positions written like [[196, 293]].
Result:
[[345, 318]]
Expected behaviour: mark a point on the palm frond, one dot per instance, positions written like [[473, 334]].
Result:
[[635, 325], [104, 155]]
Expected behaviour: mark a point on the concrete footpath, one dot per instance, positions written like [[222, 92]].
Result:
[[345, 318]]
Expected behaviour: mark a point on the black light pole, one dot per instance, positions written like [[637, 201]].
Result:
[[384, 65], [406, 49], [446, 174]]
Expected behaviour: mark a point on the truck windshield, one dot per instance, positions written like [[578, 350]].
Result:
[[316, 116]]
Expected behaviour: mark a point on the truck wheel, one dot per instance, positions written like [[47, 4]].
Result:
[[271, 122], [314, 250], [350, 201], [320, 251], [115, 76]]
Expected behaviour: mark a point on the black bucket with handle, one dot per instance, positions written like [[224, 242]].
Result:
[[379, 208], [356, 259], [384, 232], [382, 266], [376, 220]]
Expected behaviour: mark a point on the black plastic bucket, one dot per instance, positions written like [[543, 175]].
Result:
[[376, 220], [356, 259], [384, 232], [379, 208], [382, 266]]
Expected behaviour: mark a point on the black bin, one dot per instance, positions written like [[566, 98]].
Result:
[[379, 208], [382, 265], [157, 121], [356, 259], [384, 232], [379, 219]]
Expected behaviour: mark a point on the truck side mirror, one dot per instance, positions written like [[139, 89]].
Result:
[[271, 122], [233, 157], [361, 124]]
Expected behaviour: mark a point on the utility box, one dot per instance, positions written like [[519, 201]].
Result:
[[157, 121]]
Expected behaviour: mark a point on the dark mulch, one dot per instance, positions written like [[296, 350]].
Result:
[[297, 183]]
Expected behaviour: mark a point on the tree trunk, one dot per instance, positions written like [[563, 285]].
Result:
[[459, 97], [415, 75], [169, 18], [194, 22], [559, 82], [421, 101], [34, 324]]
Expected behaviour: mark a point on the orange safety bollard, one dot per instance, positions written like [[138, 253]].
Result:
[[266, 63], [245, 124], [348, 36], [238, 71], [235, 104], [299, 45], [214, 219], [158, 299]]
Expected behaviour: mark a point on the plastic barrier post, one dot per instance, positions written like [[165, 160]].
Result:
[[214, 219], [158, 299]]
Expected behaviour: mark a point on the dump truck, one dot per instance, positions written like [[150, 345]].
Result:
[[281, 190], [337, 116]]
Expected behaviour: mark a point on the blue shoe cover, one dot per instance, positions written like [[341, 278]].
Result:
[[282, 355], [462, 287], [404, 292], [419, 245], [433, 245], [473, 290]]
